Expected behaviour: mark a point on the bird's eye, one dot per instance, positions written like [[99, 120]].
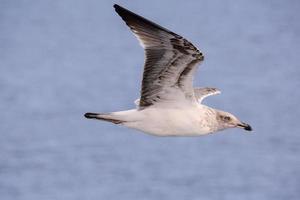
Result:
[[227, 118]]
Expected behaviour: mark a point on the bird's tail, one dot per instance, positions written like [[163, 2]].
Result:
[[105, 117]]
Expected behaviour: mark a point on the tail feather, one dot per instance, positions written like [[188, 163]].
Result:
[[104, 117], [90, 115]]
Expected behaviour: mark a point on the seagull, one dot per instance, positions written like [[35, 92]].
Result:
[[169, 105]]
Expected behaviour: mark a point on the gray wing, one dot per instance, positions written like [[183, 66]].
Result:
[[170, 62], [202, 93]]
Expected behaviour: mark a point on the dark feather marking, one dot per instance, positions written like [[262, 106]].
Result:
[[98, 116], [170, 58], [186, 71], [115, 121], [181, 49], [130, 17]]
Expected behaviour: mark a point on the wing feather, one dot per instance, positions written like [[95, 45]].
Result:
[[170, 62], [202, 93]]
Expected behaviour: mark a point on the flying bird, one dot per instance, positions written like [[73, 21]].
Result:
[[169, 105]]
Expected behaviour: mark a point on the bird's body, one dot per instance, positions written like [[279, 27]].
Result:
[[169, 105], [164, 121]]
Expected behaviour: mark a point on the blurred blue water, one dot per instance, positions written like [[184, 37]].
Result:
[[60, 59]]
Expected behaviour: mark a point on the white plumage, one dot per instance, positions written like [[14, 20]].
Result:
[[169, 105]]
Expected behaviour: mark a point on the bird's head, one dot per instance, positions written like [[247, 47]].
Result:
[[228, 120]]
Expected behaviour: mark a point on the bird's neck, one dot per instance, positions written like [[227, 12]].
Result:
[[209, 116]]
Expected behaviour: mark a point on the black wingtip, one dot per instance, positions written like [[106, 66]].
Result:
[[90, 115], [116, 6], [122, 11], [134, 20]]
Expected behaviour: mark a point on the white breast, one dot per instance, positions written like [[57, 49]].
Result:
[[171, 121]]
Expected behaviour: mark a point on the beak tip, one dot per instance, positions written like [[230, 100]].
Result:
[[248, 128], [245, 126]]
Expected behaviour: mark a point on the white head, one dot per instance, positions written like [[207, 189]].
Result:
[[227, 120]]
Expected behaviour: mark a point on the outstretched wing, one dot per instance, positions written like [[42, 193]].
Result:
[[202, 93], [170, 62]]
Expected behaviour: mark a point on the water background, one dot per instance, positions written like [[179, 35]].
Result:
[[60, 59]]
